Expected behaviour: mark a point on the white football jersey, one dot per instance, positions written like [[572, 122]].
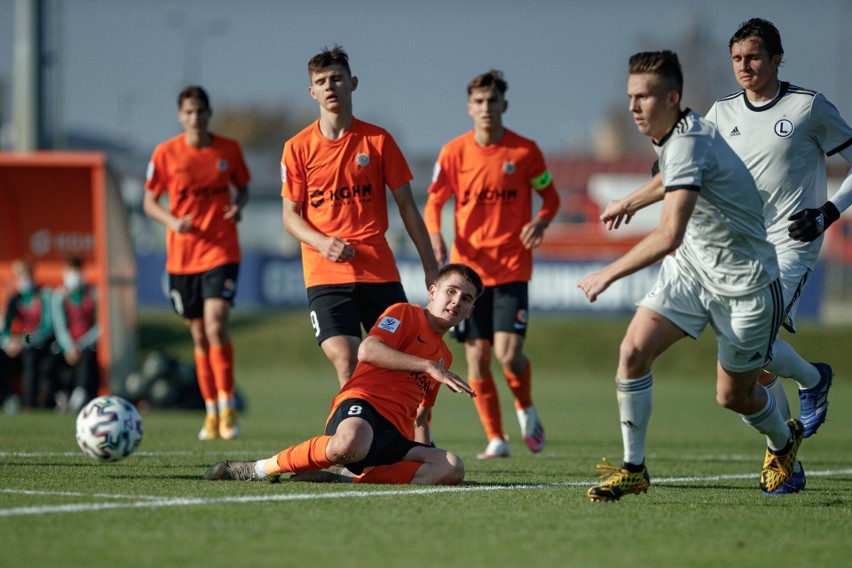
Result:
[[784, 144], [725, 246]]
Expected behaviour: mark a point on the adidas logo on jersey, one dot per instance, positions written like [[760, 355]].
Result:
[[735, 132]]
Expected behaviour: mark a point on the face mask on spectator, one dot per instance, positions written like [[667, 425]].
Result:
[[25, 285], [73, 280]]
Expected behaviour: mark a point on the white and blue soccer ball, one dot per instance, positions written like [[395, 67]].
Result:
[[109, 428]]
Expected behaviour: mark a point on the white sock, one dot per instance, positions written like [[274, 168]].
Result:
[[260, 469], [789, 364], [769, 422], [211, 408], [777, 390], [634, 409]]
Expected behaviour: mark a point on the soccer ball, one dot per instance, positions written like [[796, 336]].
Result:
[[109, 428]]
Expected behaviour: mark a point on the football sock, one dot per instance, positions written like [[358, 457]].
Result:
[[222, 363], [307, 456], [777, 389], [634, 409], [787, 363], [769, 422], [260, 469], [399, 473], [206, 384], [488, 406], [520, 385]]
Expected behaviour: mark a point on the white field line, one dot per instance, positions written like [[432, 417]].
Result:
[[147, 502]]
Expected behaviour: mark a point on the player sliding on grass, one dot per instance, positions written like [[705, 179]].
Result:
[[723, 272], [378, 427]]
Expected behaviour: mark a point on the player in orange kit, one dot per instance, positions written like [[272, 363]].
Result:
[[334, 175], [493, 173], [378, 427], [201, 172]]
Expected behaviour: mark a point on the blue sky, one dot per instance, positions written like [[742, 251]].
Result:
[[122, 62]]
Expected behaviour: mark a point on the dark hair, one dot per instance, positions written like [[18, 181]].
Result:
[[328, 57], [465, 272], [194, 92], [74, 261], [765, 31], [491, 78], [663, 63]]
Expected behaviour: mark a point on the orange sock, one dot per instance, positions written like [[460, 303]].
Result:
[[307, 456], [222, 363], [488, 406], [206, 384], [521, 386], [399, 473]]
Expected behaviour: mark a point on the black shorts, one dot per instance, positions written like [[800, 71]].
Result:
[[188, 291], [389, 445], [342, 309], [499, 308]]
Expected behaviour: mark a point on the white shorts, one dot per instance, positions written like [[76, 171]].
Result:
[[745, 326], [794, 277]]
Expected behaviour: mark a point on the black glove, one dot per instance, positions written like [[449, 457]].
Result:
[[808, 224]]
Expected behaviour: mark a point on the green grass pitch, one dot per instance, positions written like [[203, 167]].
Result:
[[60, 508]]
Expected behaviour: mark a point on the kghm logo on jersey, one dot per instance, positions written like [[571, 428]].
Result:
[[342, 195], [784, 128], [487, 195], [362, 159], [509, 168], [222, 165]]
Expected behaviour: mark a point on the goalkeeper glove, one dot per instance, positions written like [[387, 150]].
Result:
[[808, 224]]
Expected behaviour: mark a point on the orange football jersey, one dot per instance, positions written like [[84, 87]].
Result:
[[396, 395], [198, 183], [340, 185], [493, 188]]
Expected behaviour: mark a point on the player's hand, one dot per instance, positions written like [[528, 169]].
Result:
[[615, 214], [232, 213], [452, 380], [337, 250], [13, 347], [72, 356], [593, 285], [808, 224], [439, 247], [533, 232], [182, 225]]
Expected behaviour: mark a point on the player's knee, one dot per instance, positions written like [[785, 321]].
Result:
[[452, 471], [729, 399], [344, 448], [633, 358]]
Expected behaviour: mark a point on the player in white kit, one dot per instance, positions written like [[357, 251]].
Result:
[[723, 273], [782, 133]]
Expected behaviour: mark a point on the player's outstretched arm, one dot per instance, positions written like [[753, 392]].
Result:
[[622, 210], [379, 354], [677, 209]]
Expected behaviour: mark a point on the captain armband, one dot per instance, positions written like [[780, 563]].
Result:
[[542, 181]]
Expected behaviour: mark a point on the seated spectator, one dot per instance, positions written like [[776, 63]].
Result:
[[26, 336], [74, 313]]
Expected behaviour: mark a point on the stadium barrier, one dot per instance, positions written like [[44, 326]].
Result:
[[276, 281]]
